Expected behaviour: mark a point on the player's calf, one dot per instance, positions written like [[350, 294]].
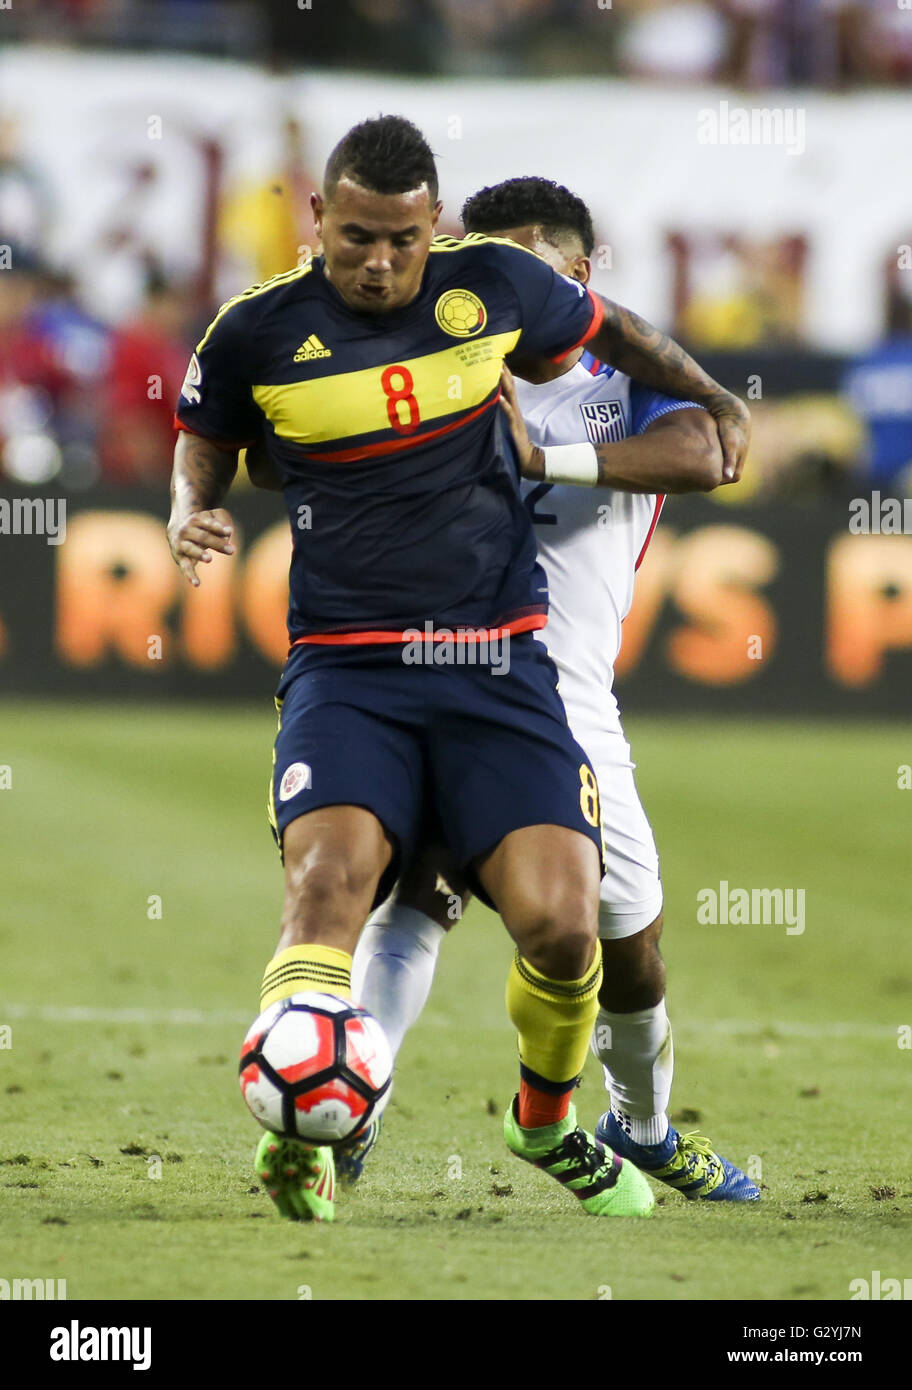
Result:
[[633, 971], [632, 1035], [544, 880]]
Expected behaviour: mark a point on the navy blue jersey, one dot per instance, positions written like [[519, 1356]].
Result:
[[397, 467]]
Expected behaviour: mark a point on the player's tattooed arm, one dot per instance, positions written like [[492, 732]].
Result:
[[202, 475], [631, 345], [678, 452]]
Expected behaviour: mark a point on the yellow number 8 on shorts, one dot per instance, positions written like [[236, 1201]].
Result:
[[589, 798]]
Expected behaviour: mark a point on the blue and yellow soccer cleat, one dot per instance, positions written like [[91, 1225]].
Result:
[[350, 1154], [686, 1162], [299, 1178], [603, 1182]]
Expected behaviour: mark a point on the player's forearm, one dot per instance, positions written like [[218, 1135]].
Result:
[[678, 452], [201, 476], [633, 346], [643, 464]]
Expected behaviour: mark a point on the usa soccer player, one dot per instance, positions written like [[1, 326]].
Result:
[[371, 375], [590, 544]]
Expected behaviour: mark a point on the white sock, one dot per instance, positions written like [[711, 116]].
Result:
[[637, 1056], [393, 967]]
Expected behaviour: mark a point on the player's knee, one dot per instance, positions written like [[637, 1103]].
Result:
[[322, 879], [561, 957], [559, 938]]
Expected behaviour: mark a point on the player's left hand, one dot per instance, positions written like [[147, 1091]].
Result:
[[733, 422], [193, 540], [531, 459]]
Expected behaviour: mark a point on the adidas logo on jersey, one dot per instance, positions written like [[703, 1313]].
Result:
[[311, 349]]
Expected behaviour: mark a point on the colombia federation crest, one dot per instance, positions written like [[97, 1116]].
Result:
[[461, 313]]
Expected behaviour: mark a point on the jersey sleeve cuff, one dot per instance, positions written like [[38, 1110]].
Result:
[[595, 323], [667, 408], [219, 443]]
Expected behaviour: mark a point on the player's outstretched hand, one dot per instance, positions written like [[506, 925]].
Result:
[[733, 422], [196, 537], [531, 459]]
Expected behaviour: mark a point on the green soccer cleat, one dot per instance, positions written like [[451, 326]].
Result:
[[605, 1184], [299, 1178]]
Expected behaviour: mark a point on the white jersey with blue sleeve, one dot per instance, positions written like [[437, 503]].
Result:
[[590, 543], [590, 540]]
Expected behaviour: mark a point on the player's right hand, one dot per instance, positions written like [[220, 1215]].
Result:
[[733, 422], [194, 539]]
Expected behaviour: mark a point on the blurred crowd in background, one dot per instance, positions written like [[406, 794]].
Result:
[[754, 43], [84, 399]]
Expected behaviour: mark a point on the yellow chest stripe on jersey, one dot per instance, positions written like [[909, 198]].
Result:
[[343, 406]]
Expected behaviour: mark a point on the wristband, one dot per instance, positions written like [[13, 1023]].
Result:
[[571, 463]]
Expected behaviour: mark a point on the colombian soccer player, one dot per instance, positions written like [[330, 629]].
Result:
[[372, 376]]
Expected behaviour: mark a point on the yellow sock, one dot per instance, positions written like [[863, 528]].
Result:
[[299, 968], [554, 1018]]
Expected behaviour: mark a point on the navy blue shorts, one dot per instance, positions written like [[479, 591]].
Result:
[[484, 753]]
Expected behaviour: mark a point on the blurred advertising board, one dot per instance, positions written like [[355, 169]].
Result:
[[787, 609]]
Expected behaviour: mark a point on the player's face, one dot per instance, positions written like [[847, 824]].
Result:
[[565, 254], [375, 244]]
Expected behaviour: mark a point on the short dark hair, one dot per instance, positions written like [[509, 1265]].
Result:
[[386, 154], [529, 202]]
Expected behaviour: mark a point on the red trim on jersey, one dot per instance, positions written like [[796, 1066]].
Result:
[[219, 443], [660, 502], [390, 446], [598, 313], [484, 634]]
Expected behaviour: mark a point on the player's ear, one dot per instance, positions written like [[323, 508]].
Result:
[[316, 204], [435, 215], [582, 270]]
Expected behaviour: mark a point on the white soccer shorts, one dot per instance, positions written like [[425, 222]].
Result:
[[631, 891]]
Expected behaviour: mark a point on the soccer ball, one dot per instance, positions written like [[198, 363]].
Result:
[[316, 1067]]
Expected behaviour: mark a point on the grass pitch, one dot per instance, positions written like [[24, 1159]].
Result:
[[140, 899]]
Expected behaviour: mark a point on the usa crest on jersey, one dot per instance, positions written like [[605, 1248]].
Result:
[[604, 421]]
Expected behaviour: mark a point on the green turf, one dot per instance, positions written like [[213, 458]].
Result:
[[125, 1150]]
